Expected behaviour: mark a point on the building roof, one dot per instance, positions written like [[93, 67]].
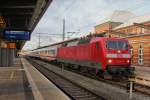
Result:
[[137, 19], [118, 16], [138, 35]]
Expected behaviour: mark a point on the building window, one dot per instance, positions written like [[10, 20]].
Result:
[[143, 30], [140, 56]]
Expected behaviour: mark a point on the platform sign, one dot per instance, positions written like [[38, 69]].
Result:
[[17, 35]]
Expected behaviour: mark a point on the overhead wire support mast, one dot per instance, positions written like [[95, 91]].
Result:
[[63, 35]]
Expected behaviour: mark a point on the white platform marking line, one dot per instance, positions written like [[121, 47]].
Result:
[[35, 91]]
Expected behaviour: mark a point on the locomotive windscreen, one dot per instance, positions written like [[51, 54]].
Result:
[[117, 45]]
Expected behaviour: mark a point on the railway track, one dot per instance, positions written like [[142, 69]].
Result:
[[138, 87], [74, 91], [141, 88]]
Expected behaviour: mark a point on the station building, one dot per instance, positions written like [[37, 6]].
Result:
[[136, 29]]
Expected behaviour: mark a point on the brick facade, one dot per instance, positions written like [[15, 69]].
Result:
[[141, 50]]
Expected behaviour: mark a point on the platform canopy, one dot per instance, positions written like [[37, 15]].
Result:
[[22, 15]]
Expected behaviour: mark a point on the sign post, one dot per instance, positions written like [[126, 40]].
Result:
[[62, 67], [130, 88]]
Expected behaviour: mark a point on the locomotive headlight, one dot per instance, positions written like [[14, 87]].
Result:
[[119, 51], [109, 61], [128, 61]]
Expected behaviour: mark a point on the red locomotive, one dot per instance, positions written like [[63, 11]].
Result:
[[104, 56]]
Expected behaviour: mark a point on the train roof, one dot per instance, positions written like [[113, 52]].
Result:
[[81, 41], [74, 39]]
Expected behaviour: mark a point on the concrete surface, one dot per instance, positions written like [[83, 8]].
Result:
[[41, 87], [11, 82]]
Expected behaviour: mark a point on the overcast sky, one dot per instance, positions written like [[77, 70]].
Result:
[[80, 16]]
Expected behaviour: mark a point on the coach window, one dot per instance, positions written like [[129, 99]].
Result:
[[49, 52], [140, 56]]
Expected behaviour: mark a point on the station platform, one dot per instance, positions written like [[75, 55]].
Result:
[[23, 82], [13, 83]]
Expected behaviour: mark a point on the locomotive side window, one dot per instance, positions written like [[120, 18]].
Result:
[[97, 45], [117, 45]]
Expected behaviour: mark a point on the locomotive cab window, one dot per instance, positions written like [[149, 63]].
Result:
[[116, 45]]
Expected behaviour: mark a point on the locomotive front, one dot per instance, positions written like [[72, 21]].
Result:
[[118, 57]]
